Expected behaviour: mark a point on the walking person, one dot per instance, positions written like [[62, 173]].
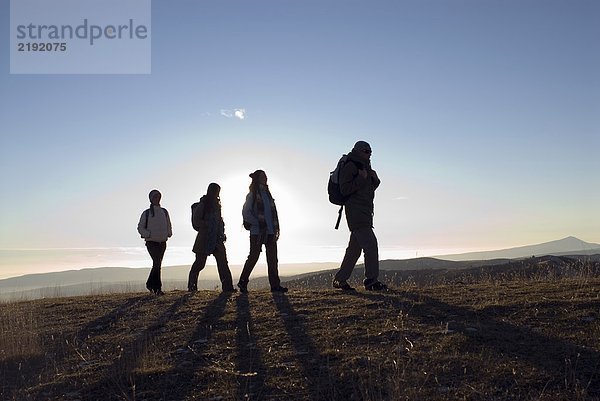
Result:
[[155, 228], [358, 182], [260, 217], [208, 221]]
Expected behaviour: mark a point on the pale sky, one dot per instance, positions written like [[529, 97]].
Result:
[[483, 116]]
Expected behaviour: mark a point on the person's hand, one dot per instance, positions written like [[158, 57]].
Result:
[[374, 175], [363, 173]]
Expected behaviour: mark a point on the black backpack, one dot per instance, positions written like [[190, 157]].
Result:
[[333, 187], [194, 207]]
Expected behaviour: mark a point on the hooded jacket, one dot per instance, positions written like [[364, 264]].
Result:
[[361, 191]]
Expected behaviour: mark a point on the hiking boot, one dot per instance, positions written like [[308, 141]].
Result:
[[243, 287], [159, 292], [279, 289], [343, 285], [374, 285]]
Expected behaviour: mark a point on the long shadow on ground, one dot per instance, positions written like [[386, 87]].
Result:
[[100, 324], [249, 362], [182, 381], [567, 365], [319, 373], [28, 372], [118, 380]]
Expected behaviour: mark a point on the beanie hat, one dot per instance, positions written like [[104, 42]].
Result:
[[361, 146]]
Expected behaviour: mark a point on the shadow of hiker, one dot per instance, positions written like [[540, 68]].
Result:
[[249, 363], [117, 377], [555, 356], [100, 324], [15, 373], [320, 376], [21, 372], [181, 380]]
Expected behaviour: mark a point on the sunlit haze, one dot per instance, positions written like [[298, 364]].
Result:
[[483, 116]]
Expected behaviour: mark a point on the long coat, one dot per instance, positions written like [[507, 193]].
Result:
[[211, 229]]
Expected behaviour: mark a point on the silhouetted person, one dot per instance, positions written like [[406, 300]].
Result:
[[358, 182], [155, 228], [260, 217], [210, 239]]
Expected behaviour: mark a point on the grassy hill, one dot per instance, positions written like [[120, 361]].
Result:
[[486, 336]]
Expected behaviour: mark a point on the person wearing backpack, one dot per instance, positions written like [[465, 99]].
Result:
[[357, 184], [260, 218], [155, 228], [207, 220]]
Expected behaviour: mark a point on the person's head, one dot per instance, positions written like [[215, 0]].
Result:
[[154, 197], [213, 190], [259, 177], [212, 199], [362, 149]]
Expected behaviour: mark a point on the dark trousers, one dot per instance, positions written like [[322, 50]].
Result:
[[156, 251], [255, 249], [220, 255], [361, 239]]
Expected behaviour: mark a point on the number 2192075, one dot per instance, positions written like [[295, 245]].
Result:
[[41, 47]]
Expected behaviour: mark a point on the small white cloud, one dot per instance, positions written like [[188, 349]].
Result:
[[401, 198], [240, 114]]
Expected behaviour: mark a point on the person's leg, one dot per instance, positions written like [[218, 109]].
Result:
[[197, 267], [272, 262], [156, 251], [255, 248], [153, 251], [151, 247], [350, 258], [368, 242], [220, 254], [162, 247]]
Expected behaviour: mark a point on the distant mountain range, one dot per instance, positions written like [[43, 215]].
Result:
[[562, 247], [121, 279]]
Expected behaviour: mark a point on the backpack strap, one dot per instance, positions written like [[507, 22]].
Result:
[[337, 223], [146, 214]]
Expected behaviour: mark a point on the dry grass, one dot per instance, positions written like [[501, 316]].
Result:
[[520, 339]]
